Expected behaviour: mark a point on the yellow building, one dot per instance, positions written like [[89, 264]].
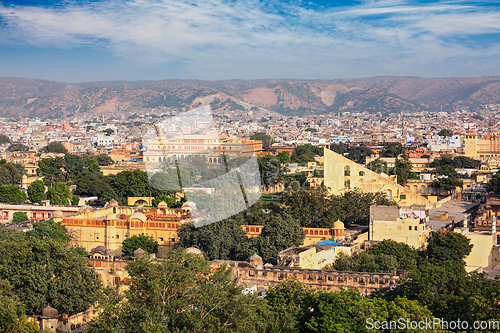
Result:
[[482, 148], [342, 174], [485, 253], [160, 149], [405, 226], [110, 225]]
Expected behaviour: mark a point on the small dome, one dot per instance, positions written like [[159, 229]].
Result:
[[100, 249], [193, 250], [162, 205], [50, 312], [111, 216], [189, 205], [138, 216], [139, 253], [338, 225], [113, 203], [58, 214], [255, 259]]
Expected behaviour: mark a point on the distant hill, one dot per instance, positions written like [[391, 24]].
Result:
[[41, 98]]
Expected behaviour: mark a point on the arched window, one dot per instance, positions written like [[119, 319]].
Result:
[[347, 171], [347, 184], [361, 173]]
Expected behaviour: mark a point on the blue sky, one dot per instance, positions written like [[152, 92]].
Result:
[[78, 41]]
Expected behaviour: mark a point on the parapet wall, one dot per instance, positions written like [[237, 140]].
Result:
[[264, 277]]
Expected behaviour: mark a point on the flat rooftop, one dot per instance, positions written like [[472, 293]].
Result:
[[456, 211]]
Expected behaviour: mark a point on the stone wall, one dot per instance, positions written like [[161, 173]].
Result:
[[263, 277]]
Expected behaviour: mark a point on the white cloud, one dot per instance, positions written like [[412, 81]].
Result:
[[244, 37]]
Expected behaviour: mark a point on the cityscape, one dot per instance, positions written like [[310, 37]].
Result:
[[215, 166]]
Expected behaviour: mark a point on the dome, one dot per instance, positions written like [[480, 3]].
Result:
[[189, 204], [50, 312], [138, 216], [111, 216], [113, 203], [58, 214], [193, 250], [139, 253], [338, 225], [162, 205], [100, 249], [255, 259]]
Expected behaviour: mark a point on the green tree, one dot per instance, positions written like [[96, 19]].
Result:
[[406, 256], [378, 166], [11, 194], [448, 183], [181, 293], [356, 205], [52, 170], [135, 242], [446, 170], [133, 183], [358, 154], [4, 139], [165, 198], [365, 262], [305, 153], [12, 312], [465, 162], [92, 184], [19, 217], [224, 240], [265, 138], [445, 247], [94, 166], [445, 289], [104, 160], [445, 132], [54, 147], [392, 149], [494, 184], [109, 131], [314, 206], [36, 191], [49, 230], [284, 157], [402, 168], [18, 147], [458, 162], [75, 200], [10, 173], [281, 232], [304, 310], [48, 272], [59, 194], [271, 170]]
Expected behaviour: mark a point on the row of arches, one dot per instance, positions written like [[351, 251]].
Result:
[[190, 147]]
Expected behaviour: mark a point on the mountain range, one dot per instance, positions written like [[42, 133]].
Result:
[[48, 99]]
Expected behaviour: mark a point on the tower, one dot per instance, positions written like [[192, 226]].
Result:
[[471, 144]]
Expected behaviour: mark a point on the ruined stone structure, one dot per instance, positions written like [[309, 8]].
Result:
[[110, 270], [254, 274]]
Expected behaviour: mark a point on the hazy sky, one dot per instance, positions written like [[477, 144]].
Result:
[[77, 41]]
